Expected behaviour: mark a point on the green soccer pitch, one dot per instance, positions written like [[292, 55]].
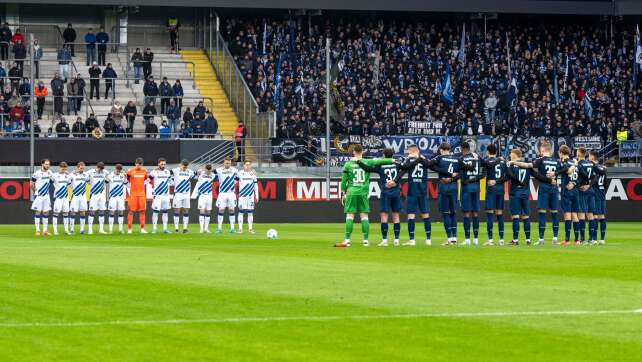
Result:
[[243, 297]]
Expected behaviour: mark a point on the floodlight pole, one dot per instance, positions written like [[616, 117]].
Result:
[[327, 118], [32, 142]]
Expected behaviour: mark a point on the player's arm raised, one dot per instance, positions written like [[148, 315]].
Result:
[[366, 167]]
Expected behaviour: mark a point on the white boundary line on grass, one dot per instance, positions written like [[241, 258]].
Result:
[[313, 318]]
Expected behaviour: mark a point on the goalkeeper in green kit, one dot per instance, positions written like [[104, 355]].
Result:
[[354, 190]]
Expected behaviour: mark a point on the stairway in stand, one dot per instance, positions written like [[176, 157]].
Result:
[[209, 86]]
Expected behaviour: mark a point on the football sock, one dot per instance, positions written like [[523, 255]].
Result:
[[489, 225], [232, 220], [592, 229], [201, 221], [177, 220], [349, 227], [602, 229], [101, 221], [476, 227], [44, 220], [221, 215], [411, 229], [141, 219], [241, 212], [111, 223], [515, 228], [447, 220], [90, 220], [576, 230], [65, 222], [427, 228], [186, 220], [250, 220], [82, 223], [154, 219], [500, 226], [384, 231], [527, 228], [467, 227], [556, 224], [36, 221], [165, 219], [567, 229], [72, 221], [582, 229], [121, 221], [54, 223], [207, 221], [130, 220], [365, 228], [453, 225], [396, 228], [542, 224]]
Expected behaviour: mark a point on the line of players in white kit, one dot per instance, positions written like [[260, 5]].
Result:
[[91, 194]]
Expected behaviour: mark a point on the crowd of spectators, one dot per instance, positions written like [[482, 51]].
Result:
[[388, 71]]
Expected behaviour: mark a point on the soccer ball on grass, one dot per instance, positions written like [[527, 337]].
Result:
[[272, 234]]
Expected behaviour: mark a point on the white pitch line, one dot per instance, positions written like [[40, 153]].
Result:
[[314, 318]]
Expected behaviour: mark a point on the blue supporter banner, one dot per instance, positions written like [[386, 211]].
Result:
[[630, 149]]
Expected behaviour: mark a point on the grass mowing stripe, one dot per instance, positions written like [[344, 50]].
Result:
[[320, 318]]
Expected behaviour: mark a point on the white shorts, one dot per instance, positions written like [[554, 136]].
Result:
[[97, 202], [116, 204], [205, 202], [246, 203], [61, 205], [78, 204], [161, 203], [41, 204], [181, 201], [226, 201]]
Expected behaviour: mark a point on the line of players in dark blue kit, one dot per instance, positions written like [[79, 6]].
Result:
[[580, 179]]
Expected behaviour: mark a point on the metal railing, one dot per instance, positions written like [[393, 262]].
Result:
[[260, 125], [215, 155], [151, 35], [160, 63]]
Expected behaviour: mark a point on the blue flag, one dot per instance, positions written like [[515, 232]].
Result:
[[588, 107], [461, 56], [511, 97], [556, 93], [447, 88]]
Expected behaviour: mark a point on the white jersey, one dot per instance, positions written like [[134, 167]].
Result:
[[79, 183], [97, 180], [226, 179], [117, 184], [248, 186], [42, 179], [162, 180], [182, 181], [204, 184], [61, 182]]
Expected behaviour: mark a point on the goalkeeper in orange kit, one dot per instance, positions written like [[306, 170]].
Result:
[[137, 201]]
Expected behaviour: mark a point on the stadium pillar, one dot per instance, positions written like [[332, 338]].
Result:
[[327, 118], [31, 106]]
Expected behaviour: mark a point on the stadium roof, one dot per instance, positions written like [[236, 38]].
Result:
[[580, 7]]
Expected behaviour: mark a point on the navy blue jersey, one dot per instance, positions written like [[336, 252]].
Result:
[[546, 164], [470, 178], [566, 178], [496, 171], [600, 185], [446, 166], [417, 176], [586, 173], [386, 173], [520, 179]]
